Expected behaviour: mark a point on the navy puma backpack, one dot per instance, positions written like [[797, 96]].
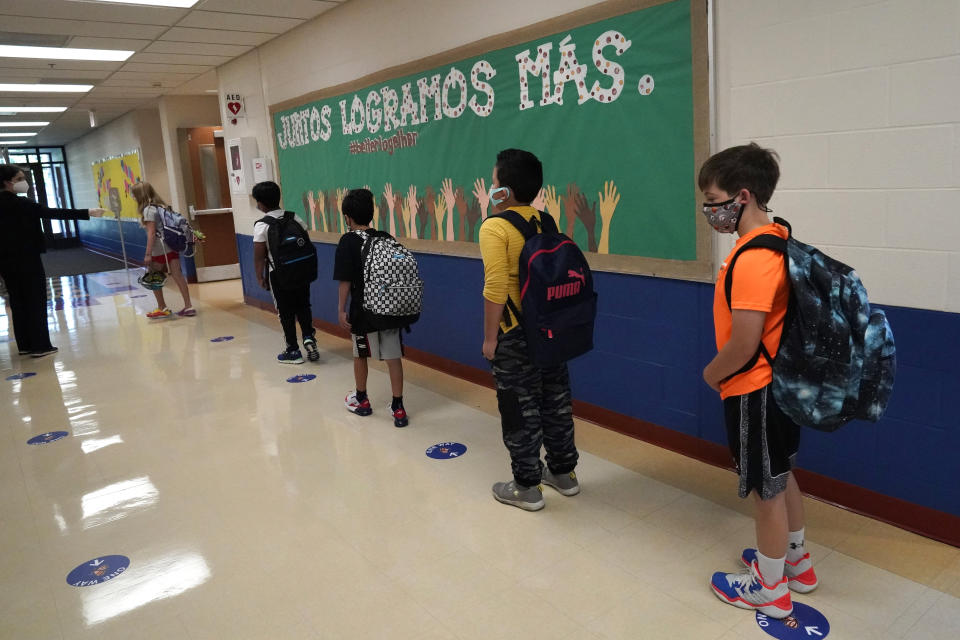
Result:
[[556, 292], [837, 360]]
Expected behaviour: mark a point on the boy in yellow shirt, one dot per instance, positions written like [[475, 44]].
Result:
[[535, 402]]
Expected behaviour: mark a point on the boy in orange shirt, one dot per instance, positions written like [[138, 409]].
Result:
[[737, 184]]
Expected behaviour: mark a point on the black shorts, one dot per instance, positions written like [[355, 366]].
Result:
[[763, 441]]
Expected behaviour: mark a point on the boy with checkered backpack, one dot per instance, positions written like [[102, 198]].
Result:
[[380, 294]]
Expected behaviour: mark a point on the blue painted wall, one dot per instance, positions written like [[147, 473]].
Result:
[[653, 338], [103, 234]]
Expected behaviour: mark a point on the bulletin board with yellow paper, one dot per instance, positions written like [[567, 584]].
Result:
[[114, 178]]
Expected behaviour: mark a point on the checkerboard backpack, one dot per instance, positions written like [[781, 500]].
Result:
[[174, 231], [392, 288], [836, 360]]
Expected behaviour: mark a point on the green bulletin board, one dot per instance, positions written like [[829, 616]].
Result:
[[610, 106]]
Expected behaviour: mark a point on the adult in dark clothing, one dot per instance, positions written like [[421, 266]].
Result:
[[21, 243]]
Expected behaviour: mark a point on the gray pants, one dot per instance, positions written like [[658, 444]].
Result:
[[536, 410]]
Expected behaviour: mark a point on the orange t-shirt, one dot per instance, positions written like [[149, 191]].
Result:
[[760, 283]]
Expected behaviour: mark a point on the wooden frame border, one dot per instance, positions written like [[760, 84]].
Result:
[[700, 269]]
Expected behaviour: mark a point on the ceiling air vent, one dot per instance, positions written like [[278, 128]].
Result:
[[33, 39]]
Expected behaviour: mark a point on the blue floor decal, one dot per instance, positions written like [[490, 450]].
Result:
[[98, 570], [304, 377], [806, 622], [446, 450], [47, 438], [21, 376]]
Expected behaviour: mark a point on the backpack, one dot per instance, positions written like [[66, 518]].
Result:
[[836, 360], [556, 292], [174, 231], [292, 254], [392, 288]]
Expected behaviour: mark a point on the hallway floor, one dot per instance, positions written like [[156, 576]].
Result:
[[250, 507]]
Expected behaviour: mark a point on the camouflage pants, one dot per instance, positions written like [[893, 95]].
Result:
[[535, 409]]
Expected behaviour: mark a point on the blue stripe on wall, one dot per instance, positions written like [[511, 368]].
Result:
[[653, 338], [103, 234]]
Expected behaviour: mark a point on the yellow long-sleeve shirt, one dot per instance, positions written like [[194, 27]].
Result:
[[500, 246]]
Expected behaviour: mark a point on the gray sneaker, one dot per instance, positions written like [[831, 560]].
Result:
[[566, 483], [527, 498]]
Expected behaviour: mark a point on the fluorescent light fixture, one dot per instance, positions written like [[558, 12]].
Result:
[[17, 135], [7, 143], [63, 53], [47, 88], [14, 110], [180, 4], [5, 125]]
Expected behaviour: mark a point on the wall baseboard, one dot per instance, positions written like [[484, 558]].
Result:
[[931, 523]]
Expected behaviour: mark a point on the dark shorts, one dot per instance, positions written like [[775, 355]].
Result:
[[763, 441]]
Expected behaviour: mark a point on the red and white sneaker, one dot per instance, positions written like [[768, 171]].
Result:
[[748, 591], [400, 418], [359, 408], [800, 574]]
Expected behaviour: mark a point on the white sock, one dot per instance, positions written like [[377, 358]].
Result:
[[795, 549], [771, 569]]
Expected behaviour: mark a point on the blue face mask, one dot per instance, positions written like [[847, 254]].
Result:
[[495, 201]]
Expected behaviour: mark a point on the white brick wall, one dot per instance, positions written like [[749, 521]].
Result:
[[862, 100]]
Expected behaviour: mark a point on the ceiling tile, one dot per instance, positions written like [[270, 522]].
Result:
[[86, 28], [166, 68], [178, 58], [181, 34], [66, 10], [199, 48], [92, 42], [303, 9], [63, 65], [239, 22], [66, 75]]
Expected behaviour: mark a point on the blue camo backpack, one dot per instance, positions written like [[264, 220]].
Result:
[[174, 231], [556, 292], [836, 360]]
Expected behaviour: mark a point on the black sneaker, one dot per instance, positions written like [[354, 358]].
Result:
[[310, 345], [290, 356], [45, 352]]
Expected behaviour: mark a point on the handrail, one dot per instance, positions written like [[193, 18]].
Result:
[[209, 212]]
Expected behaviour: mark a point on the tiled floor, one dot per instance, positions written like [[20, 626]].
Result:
[[253, 508]]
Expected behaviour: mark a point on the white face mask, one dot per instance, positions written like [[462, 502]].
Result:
[[21, 187]]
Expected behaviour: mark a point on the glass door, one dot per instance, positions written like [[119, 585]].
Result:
[[49, 187]]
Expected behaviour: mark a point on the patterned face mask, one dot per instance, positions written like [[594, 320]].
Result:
[[723, 216]]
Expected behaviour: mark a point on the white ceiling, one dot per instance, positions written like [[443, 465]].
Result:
[[177, 51]]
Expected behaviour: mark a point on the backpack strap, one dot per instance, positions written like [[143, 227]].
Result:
[[527, 230], [764, 241]]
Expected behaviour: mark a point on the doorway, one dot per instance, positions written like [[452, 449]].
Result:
[[208, 196], [46, 172]]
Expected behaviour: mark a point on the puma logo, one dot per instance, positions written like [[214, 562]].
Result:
[[568, 289]]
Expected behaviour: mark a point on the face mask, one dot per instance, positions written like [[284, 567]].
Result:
[[495, 201], [723, 216], [21, 187]]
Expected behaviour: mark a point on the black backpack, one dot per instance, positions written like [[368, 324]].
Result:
[[836, 360], [556, 292], [292, 254]]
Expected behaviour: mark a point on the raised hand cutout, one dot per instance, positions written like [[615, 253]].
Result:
[[608, 204], [483, 198], [410, 211], [446, 189], [391, 207], [540, 202], [431, 210], [588, 216], [552, 203], [571, 207]]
